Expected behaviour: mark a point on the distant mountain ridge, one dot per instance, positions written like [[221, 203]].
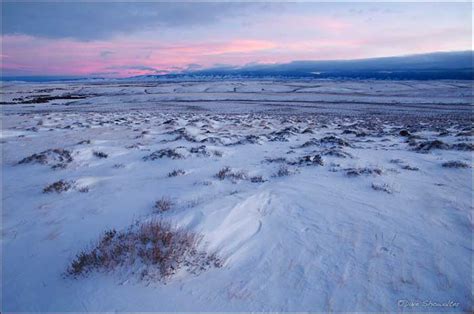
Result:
[[457, 65], [438, 65]]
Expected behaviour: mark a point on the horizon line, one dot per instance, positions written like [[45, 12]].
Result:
[[229, 67]]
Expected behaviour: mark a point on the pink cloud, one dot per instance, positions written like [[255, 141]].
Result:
[[60, 57], [125, 56], [216, 48]]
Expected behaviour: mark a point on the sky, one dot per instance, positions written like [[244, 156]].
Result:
[[120, 39]]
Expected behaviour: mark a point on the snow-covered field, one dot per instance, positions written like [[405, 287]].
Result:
[[338, 196]]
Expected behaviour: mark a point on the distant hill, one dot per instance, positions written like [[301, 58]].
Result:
[[439, 65], [430, 66]]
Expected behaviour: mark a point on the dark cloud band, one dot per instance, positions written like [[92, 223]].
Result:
[[91, 21]]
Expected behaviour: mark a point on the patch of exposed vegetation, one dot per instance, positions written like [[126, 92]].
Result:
[[83, 189], [355, 172], [384, 187], [42, 99], [463, 146], [275, 160], [336, 152], [283, 135], [437, 144], [429, 145], [182, 134], [257, 179], [165, 152], [334, 140], [200, 151], [309, 160], [100, 154], [57, 158], [217, 153], [228, 173], [330, 140], [59, 186], [158, 249], [455, 164], [396, 161], [176, 173], [465, 133], [164, 204], [402, 165], [282, 171]]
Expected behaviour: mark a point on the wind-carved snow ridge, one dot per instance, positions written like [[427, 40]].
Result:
[[303, 196]]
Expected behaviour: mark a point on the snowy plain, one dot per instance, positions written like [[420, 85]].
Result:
[[340, 195]]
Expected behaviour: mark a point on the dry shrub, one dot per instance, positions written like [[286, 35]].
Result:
[[99, 154], [164, 204], [217, 153], [158, 248], [396, 161], [402, 164], [227, 173], [165, 152], [57, 157], [355, 172], [257, 179], [455, 164], [83, 189], [176, 172], [463, 146], [382, 187], [277, 160], [200, 151], [283, 171], [309, 160], [221, 175], [426, 146], [334, 140], [59, 186]]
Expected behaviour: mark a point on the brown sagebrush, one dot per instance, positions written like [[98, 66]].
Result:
[[156, 245]]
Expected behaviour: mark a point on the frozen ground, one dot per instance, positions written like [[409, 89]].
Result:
[[221, 96], [340, 196]]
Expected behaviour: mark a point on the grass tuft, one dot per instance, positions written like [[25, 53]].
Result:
[[164, 204]]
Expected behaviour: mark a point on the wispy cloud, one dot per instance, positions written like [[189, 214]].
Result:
[[118, 55]]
